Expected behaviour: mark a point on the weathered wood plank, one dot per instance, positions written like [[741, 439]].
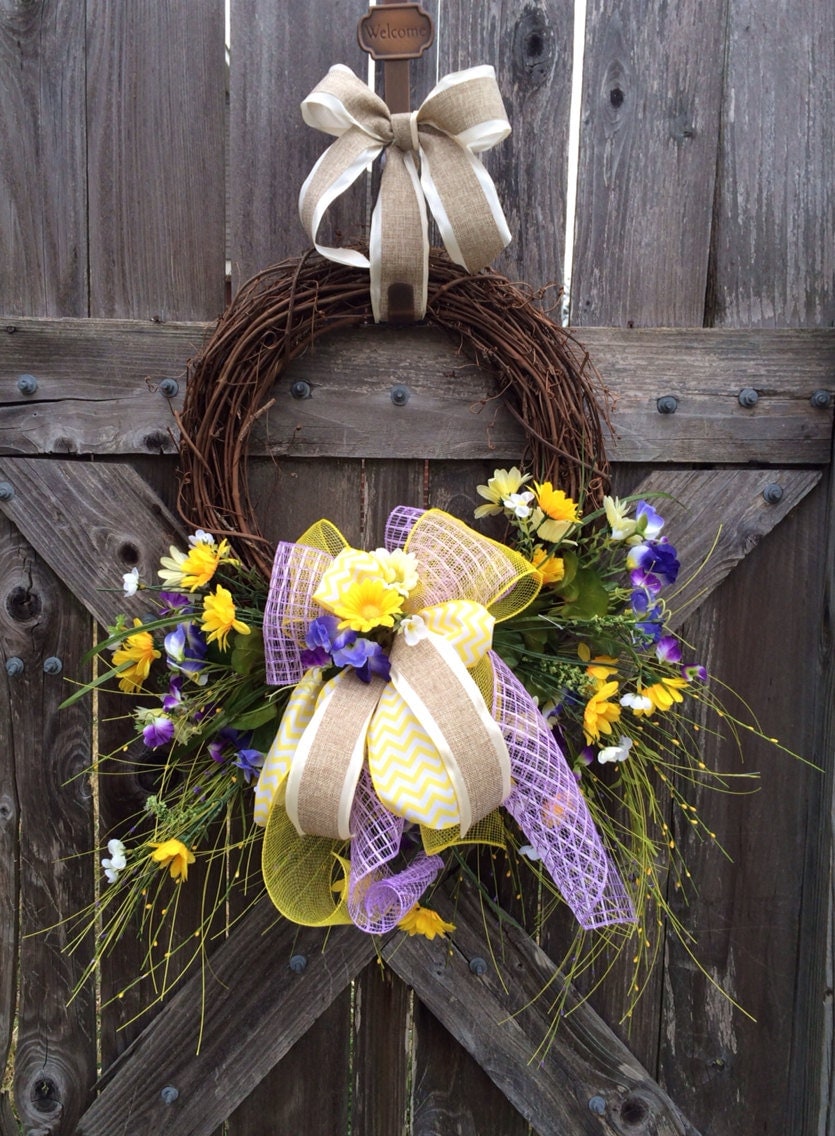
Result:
[[503, 1020], [652, 86], [55, 1056], [715, 518], [100, 521], [762, 634], [774, 227], [249, 984], [15, 626], [43, 221], [156, 112], [530, 47], [98, 392], [277, 60]]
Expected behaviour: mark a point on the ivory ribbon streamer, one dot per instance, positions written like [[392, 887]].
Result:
[[430, 158]]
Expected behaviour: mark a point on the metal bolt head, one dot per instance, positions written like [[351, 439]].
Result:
[[478, 965], [52, 665], [169, 387], [821, 400], [400, 395], [14, 666], [667, 404], [300, 389], [773, 493], [298, 963], [597, 1105], [748, 397], [6, 491], [27, 384], [169, 1094]]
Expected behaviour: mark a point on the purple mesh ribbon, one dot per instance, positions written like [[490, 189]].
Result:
[[548, 806], [289, 611], [378, 899], [400, 523]]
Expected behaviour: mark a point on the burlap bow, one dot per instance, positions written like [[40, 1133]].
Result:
[[449, 738], [461, 117]]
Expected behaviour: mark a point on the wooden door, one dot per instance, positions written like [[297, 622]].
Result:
[[702, 266]]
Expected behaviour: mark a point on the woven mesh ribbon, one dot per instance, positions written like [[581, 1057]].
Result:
[[364, 870]]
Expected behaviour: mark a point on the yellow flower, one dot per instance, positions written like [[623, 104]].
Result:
[[367, 604], [560, 510], [599, 713], [661, 694], [138, 649], [421, 921], [551, 569], [174, 855], [194, 569], [504, 483], [219, 617]]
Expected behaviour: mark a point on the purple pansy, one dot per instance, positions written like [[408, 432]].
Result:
[[249, 761], [366, 657], [668, 649], [694, 671], [652, 565], [650, 625], [650, 523], [185, 648], [158, 731]]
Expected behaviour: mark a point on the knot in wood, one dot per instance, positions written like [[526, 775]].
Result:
[[404, 130]]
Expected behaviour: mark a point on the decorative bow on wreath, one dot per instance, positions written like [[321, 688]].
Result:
[[462, 116], [424, 726]]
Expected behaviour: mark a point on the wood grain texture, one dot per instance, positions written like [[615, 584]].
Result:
[[501, 1019], [55, 1057], [98, 392], [774, 230], [156, 98], [277, 59], [648, 148], [748, 914], [100, 521], [715, 518], [530, 47], [251, 988], [43, 219]]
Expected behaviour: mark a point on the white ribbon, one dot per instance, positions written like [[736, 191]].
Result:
[[431, 158]]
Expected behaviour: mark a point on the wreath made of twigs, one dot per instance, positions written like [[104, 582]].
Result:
[[542, 375]]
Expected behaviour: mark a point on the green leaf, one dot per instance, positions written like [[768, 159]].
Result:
[[252, 719], [590, 597], [247, 652]]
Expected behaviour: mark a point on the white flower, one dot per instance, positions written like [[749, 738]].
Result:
[[622, 526], [115, 862], [130, 581], [398, 568], [201, 537], [518, 504], [529, 851], [620, 752], [636, 701], [414, 629]]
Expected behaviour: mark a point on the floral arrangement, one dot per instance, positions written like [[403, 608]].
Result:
[[370, 714]]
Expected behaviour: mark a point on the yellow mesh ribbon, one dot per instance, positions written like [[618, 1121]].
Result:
[[306, 876]]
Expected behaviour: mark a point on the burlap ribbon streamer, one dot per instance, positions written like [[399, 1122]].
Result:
[[430, 157]]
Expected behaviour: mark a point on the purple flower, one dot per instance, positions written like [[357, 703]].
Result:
[[174, 697], [158, 731], [652, 565], [227, 742], [694, 671], [249, 761], [668, 649], [322, 632], [650, 523], [185, 648], [175, 601], [367, 658], [650, 625]]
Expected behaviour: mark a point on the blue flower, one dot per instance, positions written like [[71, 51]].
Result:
[[650, 523], [185, 648], [652, 564], [367, 658], [651, 624], [249, 761]]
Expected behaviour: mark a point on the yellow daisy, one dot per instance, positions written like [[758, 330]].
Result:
[[219, 617], [367, 604], [422, 921], [174, 855], [137, 649], [599, 713]]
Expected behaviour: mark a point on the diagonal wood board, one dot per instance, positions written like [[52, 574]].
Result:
[[90, 523]]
